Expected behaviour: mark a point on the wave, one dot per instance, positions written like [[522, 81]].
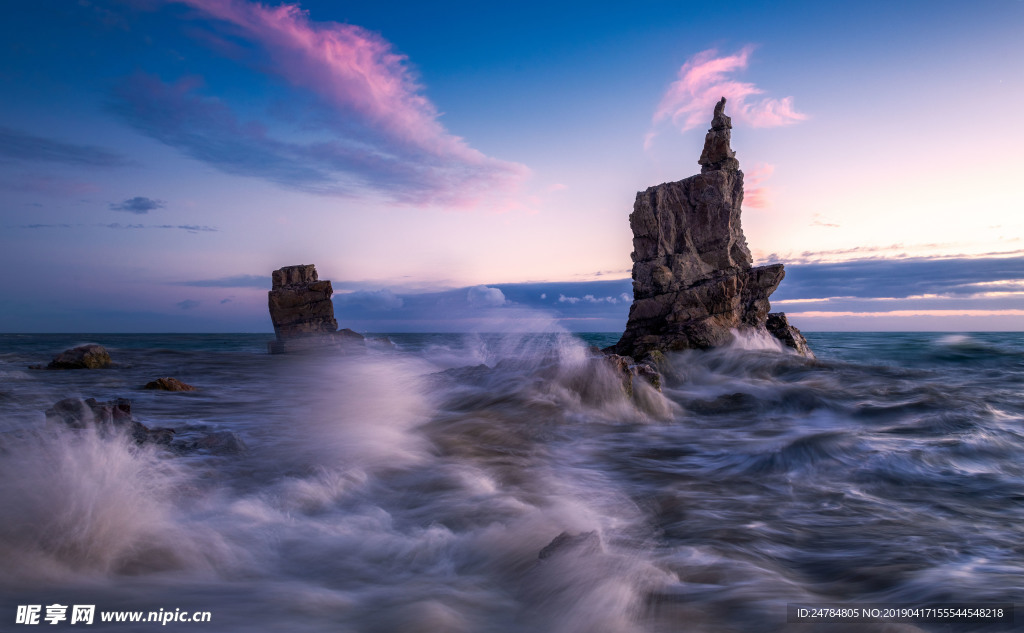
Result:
[[511, 483]]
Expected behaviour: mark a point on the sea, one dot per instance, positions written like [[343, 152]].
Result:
[[442, 483]]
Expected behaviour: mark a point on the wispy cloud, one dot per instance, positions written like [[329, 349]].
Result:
[[819, 220], [15, 145], [891, 252], [959, 312], [756, 193], [707, 77], [623, 297], [188, 304], [47, 184], [385, 135], [139, 205], [235, 281], [191, 228]]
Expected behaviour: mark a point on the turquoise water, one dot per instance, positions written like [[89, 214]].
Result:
[[413, 488]]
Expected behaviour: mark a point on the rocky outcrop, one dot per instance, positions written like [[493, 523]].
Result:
[[89, 356], [629, 371], [300, 304], [693, 282], [302, 312], [779, 327], [115, 416], [168, 384], [79, 414]]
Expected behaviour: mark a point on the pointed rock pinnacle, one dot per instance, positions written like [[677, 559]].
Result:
[[717, 153]]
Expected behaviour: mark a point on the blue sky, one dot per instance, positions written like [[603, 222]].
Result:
[[159, 158]]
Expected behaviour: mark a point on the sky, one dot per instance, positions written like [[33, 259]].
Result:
[[466, 166]]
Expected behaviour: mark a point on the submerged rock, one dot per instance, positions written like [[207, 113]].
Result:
[[78, 413], [115, 416], [303, 314], [203, 439], [168, 384], [583, 543], [91, 356], [693, 282], [629, 370]]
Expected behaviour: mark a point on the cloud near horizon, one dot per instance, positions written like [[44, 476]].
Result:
[[485, 297], [704, 79], [15, 145], [902, 279], [139, 205], [381, 133], [982, 288], [191, 228]]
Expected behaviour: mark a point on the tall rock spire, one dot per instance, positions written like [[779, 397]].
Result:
[[717, 153], [693, 282]]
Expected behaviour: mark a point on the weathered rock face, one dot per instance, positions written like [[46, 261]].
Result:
[[779, 327], [115, 416], [302, 312], [693, 283], [717, 152], [89, 356], [300, 304]]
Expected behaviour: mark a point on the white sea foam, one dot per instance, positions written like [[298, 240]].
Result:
[[414, 491]]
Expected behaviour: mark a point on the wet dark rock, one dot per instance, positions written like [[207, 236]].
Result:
[[779, 327], [693, 279], [115, 416], [203, 439], [583, 543], [107, 417], [717, 152], [300, 304], [726, 404], [468, 374], [79, 414], [303, 314], [382, 342], [89, 356], [168, 384], [629, 371]]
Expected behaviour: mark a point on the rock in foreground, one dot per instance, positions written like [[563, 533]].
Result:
[[303, 314], [89, 356], [168, 384], [115, 416], [693, 282], [779, 327]]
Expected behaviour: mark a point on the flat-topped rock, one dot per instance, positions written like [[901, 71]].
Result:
[[300, 304], [303, 314]]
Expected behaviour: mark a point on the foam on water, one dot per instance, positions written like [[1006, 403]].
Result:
[[423, 488]]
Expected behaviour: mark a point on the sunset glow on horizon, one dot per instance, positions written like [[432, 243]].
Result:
[[159, 158]]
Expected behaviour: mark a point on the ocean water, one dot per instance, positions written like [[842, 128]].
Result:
[[423, 486]]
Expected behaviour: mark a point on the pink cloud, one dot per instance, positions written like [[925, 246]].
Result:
[[358, 75], [756, 194], [704, 79]]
